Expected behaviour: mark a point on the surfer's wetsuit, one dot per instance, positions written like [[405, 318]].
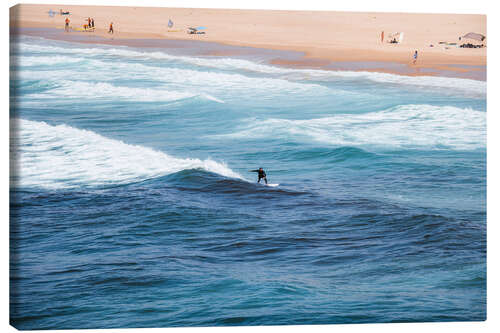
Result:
[[262, 174]]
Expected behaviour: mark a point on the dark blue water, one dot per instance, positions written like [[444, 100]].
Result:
[[132, 204]]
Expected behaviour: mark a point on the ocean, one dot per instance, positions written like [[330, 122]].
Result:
[[132, 203]]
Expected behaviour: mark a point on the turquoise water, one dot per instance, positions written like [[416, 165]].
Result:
[[132, 204]]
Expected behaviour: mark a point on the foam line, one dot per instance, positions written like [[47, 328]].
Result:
[[62, 156], [463, 86], [406, 126]]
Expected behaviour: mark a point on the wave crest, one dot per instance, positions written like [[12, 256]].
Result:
[[405, 126], [61, 156], [78, 89]]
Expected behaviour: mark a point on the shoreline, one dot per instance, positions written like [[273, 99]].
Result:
[[279, 58], [277, 50]]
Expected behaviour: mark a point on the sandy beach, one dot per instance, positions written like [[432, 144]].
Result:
[[322, 36]]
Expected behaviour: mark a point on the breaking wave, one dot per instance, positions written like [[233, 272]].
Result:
[[406, 126], [61, 156]]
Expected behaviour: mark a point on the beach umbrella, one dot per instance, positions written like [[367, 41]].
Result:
[[473, 35]]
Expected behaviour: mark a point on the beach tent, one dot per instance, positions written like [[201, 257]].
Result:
[[398, 36], [473, 35]]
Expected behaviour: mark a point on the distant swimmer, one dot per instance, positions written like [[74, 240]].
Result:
[[262, 174]]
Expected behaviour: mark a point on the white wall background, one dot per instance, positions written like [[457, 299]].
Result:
[[417, 6]]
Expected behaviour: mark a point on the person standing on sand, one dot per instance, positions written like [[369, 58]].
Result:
[[111, 28], [66, 26], [382, 36], [92, 23], [415, 56]]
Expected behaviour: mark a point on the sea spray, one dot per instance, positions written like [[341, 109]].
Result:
[[62, 157], [405, 126]]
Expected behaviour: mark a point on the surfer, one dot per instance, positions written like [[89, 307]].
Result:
[[262, 174]]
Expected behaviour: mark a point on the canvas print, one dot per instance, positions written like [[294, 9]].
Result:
[[223, 167]]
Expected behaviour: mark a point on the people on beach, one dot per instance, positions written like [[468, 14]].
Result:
[[415, 56], [111, 28], [89, 25], [262, 174], [382, 37], [66, 26]]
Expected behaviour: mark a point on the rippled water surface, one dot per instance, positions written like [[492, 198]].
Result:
[[132, 204]]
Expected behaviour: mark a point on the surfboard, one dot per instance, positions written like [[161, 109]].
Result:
[[271, 185]]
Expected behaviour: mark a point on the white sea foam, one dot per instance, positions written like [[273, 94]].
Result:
[[103, 86], [44, 60], [407, 126], [206, 81], [63, 157], [82, 89], [468, 87]]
